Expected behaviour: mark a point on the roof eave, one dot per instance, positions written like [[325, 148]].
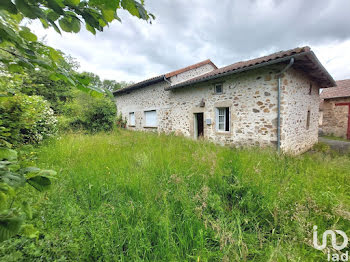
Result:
[[140, 85], [240, 70], [334, 97], [330, 78]]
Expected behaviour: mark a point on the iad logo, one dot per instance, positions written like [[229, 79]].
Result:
[[332, 234]]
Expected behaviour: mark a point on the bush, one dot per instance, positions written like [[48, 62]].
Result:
[[120, 122], [27, 119], [90, 113]]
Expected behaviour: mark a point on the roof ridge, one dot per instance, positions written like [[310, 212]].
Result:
[[245, 65], [281, 52], [168, 75], [343, 80], [190, 67], [341, 90]]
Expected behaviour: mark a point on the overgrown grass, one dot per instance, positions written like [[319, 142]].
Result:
[[336, 138], [133, 196]]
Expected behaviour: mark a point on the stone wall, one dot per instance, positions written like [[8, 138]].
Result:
[[149, 98], [335, 118], [191, 73], [298, 136], [252, 100]]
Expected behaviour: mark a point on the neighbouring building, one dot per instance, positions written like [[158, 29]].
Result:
[[335, 110], [269, 101]]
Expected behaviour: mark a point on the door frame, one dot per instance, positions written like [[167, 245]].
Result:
[[348, 105], [195, 124]]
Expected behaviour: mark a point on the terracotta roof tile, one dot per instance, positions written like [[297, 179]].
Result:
[[141, 84], [182, 70], [244, 64], [153, 80], [341, 90]]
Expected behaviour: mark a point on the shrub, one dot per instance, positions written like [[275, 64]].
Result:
[[27, 119], [321, 147], [90, 113], [39, 83], [120, 122]]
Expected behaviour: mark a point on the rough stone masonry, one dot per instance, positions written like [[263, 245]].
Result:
[[250, 97]]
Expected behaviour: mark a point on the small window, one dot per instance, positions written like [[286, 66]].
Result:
[[308, 120], [218, 89], [310, 90], [151, 118], [131, 119], [223, 119]]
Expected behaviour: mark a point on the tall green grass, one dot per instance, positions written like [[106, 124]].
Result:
[[134, 196]]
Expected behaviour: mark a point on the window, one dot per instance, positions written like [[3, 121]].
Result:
[[218, 89], [223, 119], [151, 118], [308, 120], [131, 119]]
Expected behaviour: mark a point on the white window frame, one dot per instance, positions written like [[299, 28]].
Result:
[[223, 115], [222, 88], [151, 123], [132, 120]]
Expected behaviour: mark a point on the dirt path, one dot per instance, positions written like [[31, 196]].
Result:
[[340, 146]]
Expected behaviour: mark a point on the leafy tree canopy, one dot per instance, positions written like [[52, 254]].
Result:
[[106, 85], [21, 54], [19, 46]]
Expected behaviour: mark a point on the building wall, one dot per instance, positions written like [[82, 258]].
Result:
[[149, 98], [252, 99], [298, 137], [155, 98], [253, 108], [191, 73], [335, 118]]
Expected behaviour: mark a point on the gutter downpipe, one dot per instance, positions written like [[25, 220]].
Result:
[[279, 104], [166, 80]]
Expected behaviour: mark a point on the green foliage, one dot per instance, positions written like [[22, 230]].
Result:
[[120, 122], [21, 44], [26, 119], [321, 147], [57, 93], [107, 85], [333, 137], [89, 113], [134, 196], [13, 177]]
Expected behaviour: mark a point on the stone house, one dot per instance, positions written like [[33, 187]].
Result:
[[335, 110], [268, 101]]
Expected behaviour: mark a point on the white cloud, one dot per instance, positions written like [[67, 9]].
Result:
[[186, 32]]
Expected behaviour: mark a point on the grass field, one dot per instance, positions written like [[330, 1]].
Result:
[[336, 138], [133, 196]]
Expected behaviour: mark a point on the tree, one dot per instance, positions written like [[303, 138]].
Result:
[[19, 50], [112, 85], [21, 45], [106, 85], [93, 79]]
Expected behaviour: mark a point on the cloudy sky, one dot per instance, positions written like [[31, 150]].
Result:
[[226, 31]]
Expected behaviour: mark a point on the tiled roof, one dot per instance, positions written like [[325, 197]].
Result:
[[281, 56], [141, 84], [188, 68], [305, 60], [341, 90], [160, 78]]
